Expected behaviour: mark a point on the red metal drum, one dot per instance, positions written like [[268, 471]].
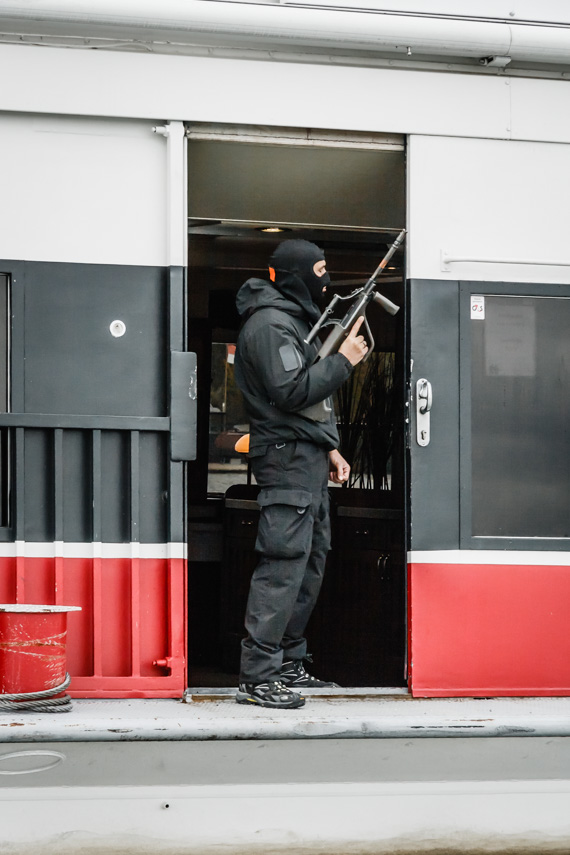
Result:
[[32, 647]]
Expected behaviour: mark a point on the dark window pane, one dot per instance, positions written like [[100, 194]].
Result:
[[520, 418], [270, 183], [228, 422]]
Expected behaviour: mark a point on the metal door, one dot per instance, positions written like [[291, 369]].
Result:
[[490, 488], [102, 416]]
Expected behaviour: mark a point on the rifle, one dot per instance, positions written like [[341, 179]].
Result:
[[341, 328], [361, 298]]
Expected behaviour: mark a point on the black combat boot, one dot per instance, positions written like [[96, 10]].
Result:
[[294, 675], [271, 694]]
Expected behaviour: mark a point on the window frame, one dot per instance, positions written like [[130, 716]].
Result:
[[467, 539]]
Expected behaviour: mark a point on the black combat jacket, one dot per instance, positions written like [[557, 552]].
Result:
[[274, 370]]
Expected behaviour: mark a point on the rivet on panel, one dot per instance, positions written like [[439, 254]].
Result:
[[117, 329]]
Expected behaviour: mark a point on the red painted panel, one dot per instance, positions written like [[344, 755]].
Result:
[[8, 580], [115, 616], [489, 630], [153, 586], [129, 640], [78, 590], [39, 581]]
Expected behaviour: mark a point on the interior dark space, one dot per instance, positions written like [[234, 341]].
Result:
[[357, 632], [248, 189]]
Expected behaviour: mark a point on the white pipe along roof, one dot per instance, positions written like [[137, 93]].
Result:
[[284, 25]]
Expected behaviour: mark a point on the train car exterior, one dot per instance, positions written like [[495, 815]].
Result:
[[143, 146], [99, 414]]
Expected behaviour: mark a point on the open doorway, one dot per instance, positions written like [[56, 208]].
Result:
[[245, 197]]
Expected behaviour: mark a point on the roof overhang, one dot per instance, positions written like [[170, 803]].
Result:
[[396, 31]]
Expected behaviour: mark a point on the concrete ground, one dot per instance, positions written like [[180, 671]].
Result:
[[207, 714]]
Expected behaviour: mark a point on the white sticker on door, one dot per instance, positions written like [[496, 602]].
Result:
[[477, 308]]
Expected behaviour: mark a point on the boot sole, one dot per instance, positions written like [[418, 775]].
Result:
[[243, 698]]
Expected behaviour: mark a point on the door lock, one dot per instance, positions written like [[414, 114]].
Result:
[[424, 400]]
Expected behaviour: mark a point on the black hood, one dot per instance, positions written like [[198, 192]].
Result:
[[292, 268], [260, 294]]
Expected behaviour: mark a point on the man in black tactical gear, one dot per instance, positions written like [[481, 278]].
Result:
[[293, 453]]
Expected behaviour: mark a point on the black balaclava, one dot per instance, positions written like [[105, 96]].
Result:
[[291, 268]]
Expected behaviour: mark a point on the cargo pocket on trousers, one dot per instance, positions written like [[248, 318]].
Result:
[[285, 523]]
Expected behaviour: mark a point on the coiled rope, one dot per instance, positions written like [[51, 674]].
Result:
[[44, 701]]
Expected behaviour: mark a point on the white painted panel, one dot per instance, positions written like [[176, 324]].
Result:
[[122, 84], [540, 109], [498, 816], [298, 94], [504, 203], [499, 557], [108, 551], [82, 190]]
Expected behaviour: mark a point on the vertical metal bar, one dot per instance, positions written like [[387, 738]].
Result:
[[17, 341], [135, 553], [6, 475], [3, 477], [19, 515], [176, 492], [176, 528], [176, 194], [17, 364], [19, 485], [58, 513], [96, 522], [177, 181], [97, 568], [177, 206]]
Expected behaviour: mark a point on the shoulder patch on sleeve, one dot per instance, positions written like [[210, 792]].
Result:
[[290, 357]]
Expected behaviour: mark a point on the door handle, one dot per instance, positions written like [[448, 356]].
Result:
[[425, 396], [424, 401], [183, 405]]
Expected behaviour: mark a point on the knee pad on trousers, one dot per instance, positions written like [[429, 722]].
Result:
[[285, 523]]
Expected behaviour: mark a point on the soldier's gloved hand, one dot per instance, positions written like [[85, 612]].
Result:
[[354, 346]]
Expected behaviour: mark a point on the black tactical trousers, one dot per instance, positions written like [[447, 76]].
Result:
[[293, 540]]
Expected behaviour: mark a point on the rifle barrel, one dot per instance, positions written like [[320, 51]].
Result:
[[392, 249]]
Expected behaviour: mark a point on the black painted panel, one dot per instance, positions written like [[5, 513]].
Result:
[[77, 501], [154, 492], [73, 362], [115, 487], [38, 487], [95, 466], [434, 349], [115, 500]]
